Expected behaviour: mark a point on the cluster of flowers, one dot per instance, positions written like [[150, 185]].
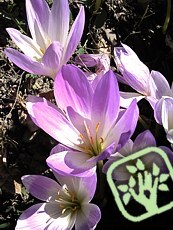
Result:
[[92, 120]]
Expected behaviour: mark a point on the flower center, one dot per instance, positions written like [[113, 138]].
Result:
[[92, 143], [67, 200]]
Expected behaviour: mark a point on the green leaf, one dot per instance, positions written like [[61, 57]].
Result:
[[126, 198], [163, 187], [132, 169], [156, 170], [123, 188], [5, 225], [100, 19], [163, 177], [80, 51], [132, 182], [140, 165]]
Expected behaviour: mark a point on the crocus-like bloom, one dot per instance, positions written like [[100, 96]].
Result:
[[65, 204], [51, 45], [92, 126], [143, 140], [150, 85], [163, 113], [101, 63]]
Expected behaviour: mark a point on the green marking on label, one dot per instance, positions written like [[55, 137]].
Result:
[[148, 181]]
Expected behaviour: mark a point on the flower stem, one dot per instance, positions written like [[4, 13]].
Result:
[[167, 19], [100, 191]]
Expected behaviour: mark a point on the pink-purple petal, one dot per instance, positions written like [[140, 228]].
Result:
[[134, 72], [60, 162], [158, 111], [52, 57], [159, 86], [28, 46], [38, 216], [143, 140], [79, 161], [125, 126], [88, 217], [72, 89], [26, 63], [126, 98], [167, 111], [41, 187], [83, 187], [86, 60], [105, 105], [38, 13], [59, 21], [103, 155], [65, 222], [74, 36], [55, 124]]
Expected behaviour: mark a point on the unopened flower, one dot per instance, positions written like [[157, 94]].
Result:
[[64, 204], [150, 85], [142, 141], [52, 44], [91, 127], [163, 113]]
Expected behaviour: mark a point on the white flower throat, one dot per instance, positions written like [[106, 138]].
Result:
[[67, 200], [91, 142]]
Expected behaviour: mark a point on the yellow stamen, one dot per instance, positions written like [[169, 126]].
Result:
[[42, 51], [101, 140], [97, 127]]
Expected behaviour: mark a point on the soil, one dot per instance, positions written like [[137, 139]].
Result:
[[23, 147]]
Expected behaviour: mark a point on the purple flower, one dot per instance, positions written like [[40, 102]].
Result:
[[52, 44], [91, 127], [100, 61], [150, 85], [65, 204], [143, 140], [163, 113]]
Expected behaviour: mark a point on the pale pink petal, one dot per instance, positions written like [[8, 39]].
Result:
[[83, 187], [127, 148], [159, 86], [143, 140], [158, 111], [26, 63], [100, 61], [38, 14], [63, 164], [88, 60], [72, 89], [169, 136], [59, 21], [54, 123], [88, 217], [134, 72], [125, 127], [105, 104], [152, 101], [167, 113], [74, 36], [28, 46], [120, 173], [80, 124], [65, 222], [35, 184], [52, 58], [126, 98], [39, 216]]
